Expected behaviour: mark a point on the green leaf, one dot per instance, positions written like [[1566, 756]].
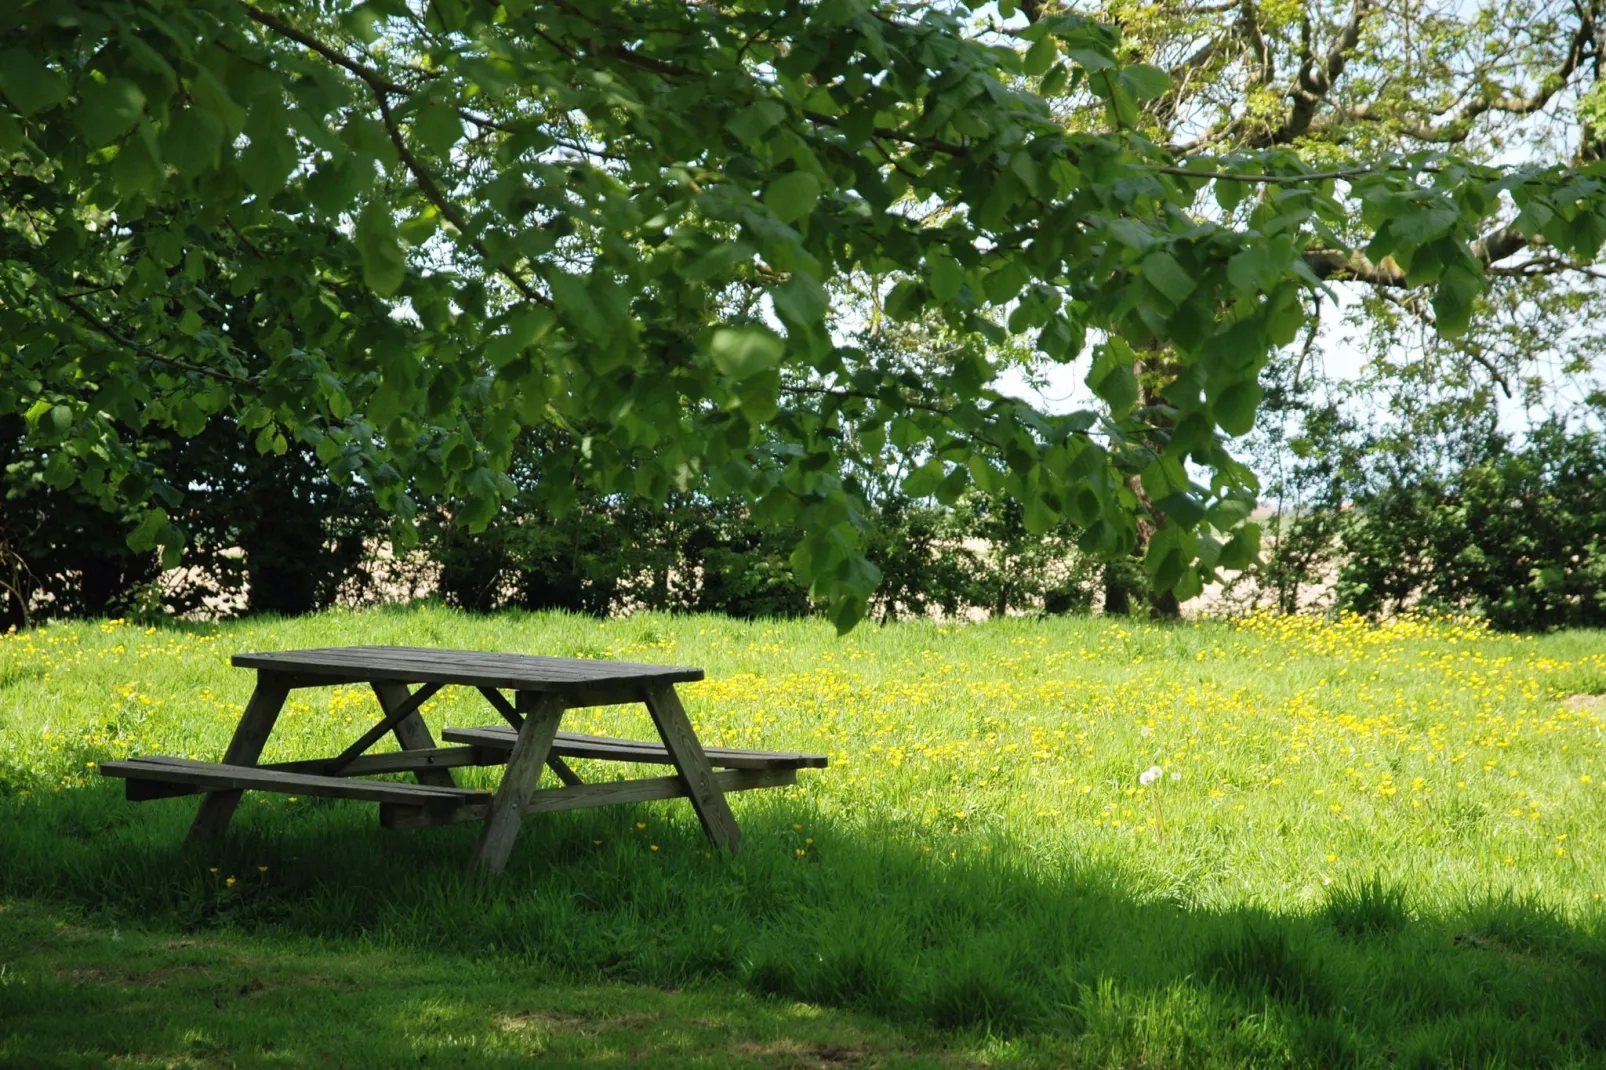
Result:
[[1003, 282], [1090, 60], [189, 420], [1166, 275], [1112, 377], [1422, 224], [793, 195], [268, 160], [107, 110], [383, 265], [1229, 512], [530, 323], [1248, 269], [949, 490], [923, 481], [1189, 586], [1181, 507], [718, 260], [946, 276], [1164, 477], [1453, 300], [193, 142], [800, 300], [11, 136], [906, 301], [759, 396], [1235, 409], [61, 473], [1038, 517], [29, 84], [1230, 194], [437, 129], [573, 299], [1041, 56], [847, 611], [1055, 80], [739, 352], [209, 94], [1145, 82], [1241, 549], [143, 537], [756, 120]]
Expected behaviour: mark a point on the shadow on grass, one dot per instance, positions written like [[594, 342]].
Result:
[[1062, 962]]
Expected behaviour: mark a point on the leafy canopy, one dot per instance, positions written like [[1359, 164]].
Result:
[[404, 233]]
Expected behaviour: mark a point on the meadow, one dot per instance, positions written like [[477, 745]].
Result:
[[1366, 845]]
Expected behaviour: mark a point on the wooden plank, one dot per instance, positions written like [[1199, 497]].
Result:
[[500, 703], [607, 748], [519, 672], [411, 732], [245, 747], [692, 764], [217, 777], [402, 761], [518, 782], [553, 800], [387, 723], [550, 669], [581, 696], [563, 770]]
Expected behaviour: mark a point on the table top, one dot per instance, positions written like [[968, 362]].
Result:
[[414, 664]]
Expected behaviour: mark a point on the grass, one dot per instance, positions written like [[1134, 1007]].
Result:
[[1367, 846]]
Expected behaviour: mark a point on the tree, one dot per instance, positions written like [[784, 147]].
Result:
[[448, 222]]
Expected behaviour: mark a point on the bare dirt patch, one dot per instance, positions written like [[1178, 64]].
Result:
[[126, 978], [584, 1025], [1586, 703], [792, 1053]]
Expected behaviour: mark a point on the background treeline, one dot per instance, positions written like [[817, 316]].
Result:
[[271, 533], [1427, 504], [1453, 517]]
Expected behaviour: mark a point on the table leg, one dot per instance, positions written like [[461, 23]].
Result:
[[692, 764], [524, 767], [411, 732], [250, 736]]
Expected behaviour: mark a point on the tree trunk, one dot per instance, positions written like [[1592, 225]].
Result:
[[1121, 587]]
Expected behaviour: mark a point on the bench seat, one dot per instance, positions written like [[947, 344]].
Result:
[[156, 776], [606, 748]]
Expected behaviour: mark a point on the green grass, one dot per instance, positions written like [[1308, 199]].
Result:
[[1381, 846]]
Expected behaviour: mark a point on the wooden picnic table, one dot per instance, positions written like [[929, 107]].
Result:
[[403, 679]]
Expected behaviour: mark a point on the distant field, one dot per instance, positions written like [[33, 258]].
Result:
[[1366, 846]]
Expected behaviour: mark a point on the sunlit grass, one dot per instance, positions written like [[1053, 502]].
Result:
[[1358, 832]]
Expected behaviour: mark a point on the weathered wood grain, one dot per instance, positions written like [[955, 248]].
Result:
[[406, 709], [403, 761], [411, 731], [231, 779], [541, 717], [607, 748], [686, 753], [554, 800], [245, 747], [517, 672], [501, 705], [563, 770]]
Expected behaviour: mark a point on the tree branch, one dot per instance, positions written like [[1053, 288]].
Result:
[[383, 89], [1497, 245], [146, 351], [1316, 79]]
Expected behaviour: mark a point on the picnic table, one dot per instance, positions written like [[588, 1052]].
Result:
[[403, 679]]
